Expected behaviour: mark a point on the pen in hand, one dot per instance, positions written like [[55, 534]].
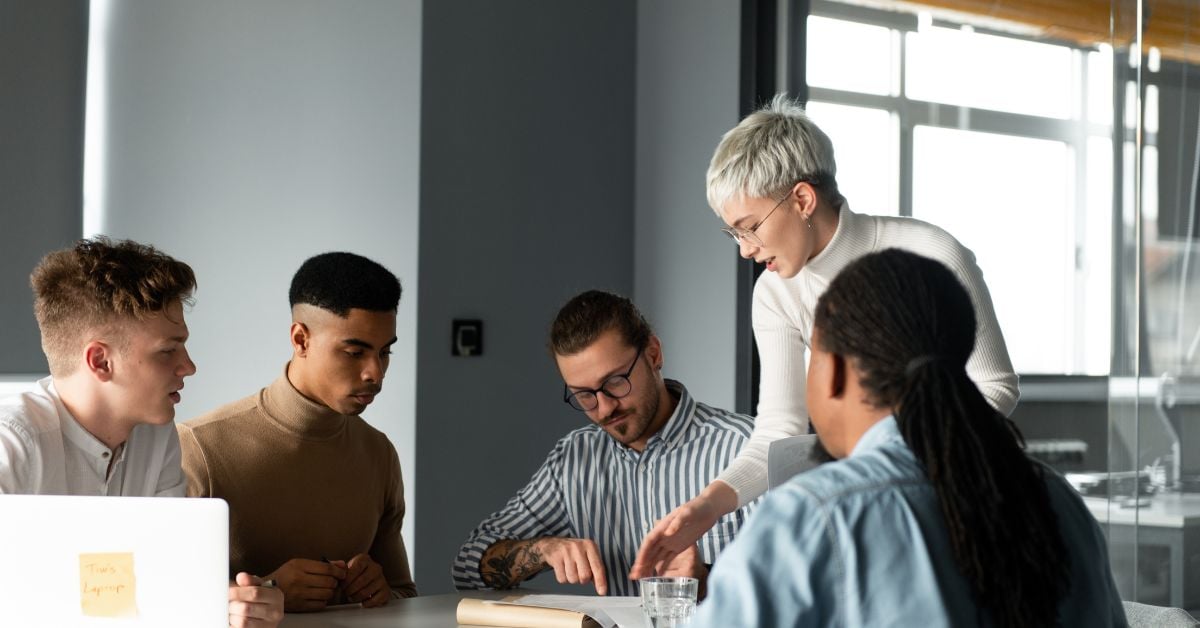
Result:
[[341, 599], [326, 560], [341, 582]]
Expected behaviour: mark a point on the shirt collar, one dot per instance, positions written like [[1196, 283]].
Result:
[[75, 432], [878, 435], [854, 236], [681, 418], [292, 412]]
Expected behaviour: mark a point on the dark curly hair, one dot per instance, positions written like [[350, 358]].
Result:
[[339, 282]]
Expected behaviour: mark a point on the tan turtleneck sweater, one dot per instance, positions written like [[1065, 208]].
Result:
[[302, 481]]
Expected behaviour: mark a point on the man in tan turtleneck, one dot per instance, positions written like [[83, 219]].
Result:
[[315, 495]]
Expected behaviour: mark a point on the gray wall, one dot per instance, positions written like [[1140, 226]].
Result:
[[684, 268], [1077, 420], [526, 199], [244, 137], [43, 59]]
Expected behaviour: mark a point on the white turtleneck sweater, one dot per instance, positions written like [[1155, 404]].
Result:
[[783, 318]]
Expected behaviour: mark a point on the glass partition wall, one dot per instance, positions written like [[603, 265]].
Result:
[[1150, 495], [1058, 141]]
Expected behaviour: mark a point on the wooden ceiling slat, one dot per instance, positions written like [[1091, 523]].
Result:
[[1172, 26]]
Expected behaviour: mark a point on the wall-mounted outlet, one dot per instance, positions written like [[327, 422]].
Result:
[[466, 337]]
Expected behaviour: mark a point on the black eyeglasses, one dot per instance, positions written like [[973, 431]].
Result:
[[614, 387]]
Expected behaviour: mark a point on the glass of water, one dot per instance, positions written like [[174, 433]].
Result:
[[668, 601]]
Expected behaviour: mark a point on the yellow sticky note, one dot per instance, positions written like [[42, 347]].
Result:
[[107, 587]]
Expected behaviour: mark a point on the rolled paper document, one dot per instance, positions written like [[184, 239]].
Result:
[[488, 613]]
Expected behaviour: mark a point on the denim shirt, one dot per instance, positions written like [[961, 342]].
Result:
[[862, 542]]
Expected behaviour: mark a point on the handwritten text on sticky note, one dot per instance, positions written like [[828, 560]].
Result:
[[107, 587]]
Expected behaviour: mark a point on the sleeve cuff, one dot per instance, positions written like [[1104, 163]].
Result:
[[747, 478], [465, 569]]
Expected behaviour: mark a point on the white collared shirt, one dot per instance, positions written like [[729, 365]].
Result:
[[45, 451]]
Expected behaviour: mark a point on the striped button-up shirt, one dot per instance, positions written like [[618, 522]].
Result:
[[592, 487]]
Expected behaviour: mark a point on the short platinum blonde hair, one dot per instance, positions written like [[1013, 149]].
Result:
[[767, 153]]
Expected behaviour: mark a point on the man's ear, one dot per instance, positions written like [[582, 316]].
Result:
[[837, 375], [300, 337], [654, 352], [98, 359]]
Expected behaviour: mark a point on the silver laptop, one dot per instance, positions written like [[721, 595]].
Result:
[[788, 457], [113, 561]]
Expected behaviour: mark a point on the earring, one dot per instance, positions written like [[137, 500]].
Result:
[[808, 222]]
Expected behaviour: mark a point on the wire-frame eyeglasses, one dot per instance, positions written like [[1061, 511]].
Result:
[[614, 387], [749, 236]]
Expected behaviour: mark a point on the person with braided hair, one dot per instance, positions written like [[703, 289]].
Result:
[[772, 180], [932, 514]]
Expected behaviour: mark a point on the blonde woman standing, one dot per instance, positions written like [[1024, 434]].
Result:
[[772, 180]]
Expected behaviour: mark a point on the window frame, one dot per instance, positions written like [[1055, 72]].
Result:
[[1074, 132]]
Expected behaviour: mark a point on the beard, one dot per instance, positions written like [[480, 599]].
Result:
[[638, 422]]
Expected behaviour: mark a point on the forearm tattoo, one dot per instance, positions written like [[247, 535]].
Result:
[[507, 563]]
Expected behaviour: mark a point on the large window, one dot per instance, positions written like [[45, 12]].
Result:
[[998, 139], [1072, 170]]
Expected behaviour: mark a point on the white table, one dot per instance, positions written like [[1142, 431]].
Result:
[[431, 611], [1165, 510], [1171, 520]]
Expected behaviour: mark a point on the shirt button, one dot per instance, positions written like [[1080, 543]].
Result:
[[104, 455]]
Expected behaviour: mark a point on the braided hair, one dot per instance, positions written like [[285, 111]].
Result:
[[907, 326]]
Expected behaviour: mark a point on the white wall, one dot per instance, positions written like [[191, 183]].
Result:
[[684, 268], [244, 137]]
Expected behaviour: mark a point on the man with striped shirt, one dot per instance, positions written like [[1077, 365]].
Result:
[[649, 448]]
